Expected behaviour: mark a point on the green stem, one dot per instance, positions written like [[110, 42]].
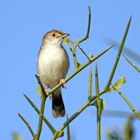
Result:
[[98, 104], [97, 83], [81, 40], [98, 126], [57, 86], [132, 64], [68, 131], [84, 53], [90, 84], [127, 101], [27, 124], [38, 112], [41, 85], [118, 55], [43, 99], [88, 29], [137, 114], [75, 58], [87, 103], [79, 69]]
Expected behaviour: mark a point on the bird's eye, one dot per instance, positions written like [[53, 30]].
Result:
[[53, 35]]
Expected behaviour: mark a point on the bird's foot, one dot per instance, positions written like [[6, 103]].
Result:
[[47, 93], [63, 82]]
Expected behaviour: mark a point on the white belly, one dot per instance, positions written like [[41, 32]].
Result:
[[53, 65]]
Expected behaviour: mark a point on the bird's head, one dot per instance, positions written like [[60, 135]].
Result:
[[54, 37]]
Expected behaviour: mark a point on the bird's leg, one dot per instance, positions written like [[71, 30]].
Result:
[[63, 82], [47, 93]]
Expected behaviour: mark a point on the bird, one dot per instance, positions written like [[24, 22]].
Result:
[[52, 67]]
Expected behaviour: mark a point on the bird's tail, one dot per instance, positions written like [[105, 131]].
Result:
[[58, 108]]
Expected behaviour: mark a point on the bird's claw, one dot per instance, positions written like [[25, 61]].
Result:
[[47, 93], [63, 82]]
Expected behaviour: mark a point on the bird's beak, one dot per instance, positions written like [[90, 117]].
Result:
[[65, 35]]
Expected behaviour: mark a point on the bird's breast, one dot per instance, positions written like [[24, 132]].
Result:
[[53, 65]]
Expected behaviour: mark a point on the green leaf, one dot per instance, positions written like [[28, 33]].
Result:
[[39, 91], [118, 84]]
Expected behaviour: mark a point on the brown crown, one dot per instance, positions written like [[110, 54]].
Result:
[[53, 31]]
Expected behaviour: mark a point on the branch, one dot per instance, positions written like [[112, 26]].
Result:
[[88, 28], [75, 44], [41, 85], [38, 112], [57, 86], [40, 122], [98, 102], [137, 114], [75, 115], [90, 84], [84, 53], [27, 124], [80, 68], [132, 64], [43, 100], [73, 51], [76, 63], [118, 55], [68, 131]]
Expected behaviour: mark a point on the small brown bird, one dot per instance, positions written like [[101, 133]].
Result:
[[52, 67]]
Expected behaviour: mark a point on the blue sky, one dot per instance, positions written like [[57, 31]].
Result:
[[23, 23]]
